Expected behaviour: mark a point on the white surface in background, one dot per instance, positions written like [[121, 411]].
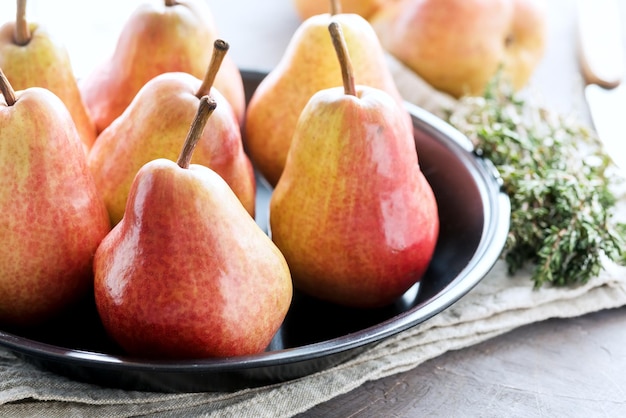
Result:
[[89, 29], [258, 32]]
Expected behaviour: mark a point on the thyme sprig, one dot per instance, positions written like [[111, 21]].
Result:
[[558, 179]]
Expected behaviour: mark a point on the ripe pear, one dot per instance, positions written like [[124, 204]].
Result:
[[365, 8], [31, 56], [352, 213], [308, 65], [53, 218], [488, 36], [158, 38], [188, 273], [154, 125]]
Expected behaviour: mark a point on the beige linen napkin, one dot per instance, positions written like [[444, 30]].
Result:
[[498, 304]]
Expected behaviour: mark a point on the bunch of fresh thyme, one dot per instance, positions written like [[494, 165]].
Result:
[[558, 181]]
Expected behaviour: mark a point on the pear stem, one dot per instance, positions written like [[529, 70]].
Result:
[[7, 89], [341, 48], [205, 109], [21, 34], [335, 7], [169, 3], [220, 48]]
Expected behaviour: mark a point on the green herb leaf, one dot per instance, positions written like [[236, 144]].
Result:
[[557, 177]]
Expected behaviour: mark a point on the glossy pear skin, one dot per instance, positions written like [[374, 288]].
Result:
[[188, 273], [157, 39], [154, 126], [53, 218], [308, 65], [353, 214], [44, 62]]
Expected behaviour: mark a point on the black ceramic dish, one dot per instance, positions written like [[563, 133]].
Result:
[[474, 215]]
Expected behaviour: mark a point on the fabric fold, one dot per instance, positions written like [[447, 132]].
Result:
[[495, 306]]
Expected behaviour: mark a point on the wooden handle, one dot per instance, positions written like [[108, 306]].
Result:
[[601, 44]]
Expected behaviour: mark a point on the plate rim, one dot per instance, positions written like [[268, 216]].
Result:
[[487, 253]]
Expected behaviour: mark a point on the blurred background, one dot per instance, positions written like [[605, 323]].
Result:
[[258, 32]]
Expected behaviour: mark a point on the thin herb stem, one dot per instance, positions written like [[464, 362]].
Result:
[[558, 179]]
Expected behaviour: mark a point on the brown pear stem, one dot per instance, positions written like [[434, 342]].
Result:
[[169, 3], [341, 48], [205, 109], [220, 48], [7, 89], [335, 7], [21, 35]]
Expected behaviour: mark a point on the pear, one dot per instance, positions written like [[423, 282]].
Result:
[[365, 8], [52, 216], [153, 126], [31, 57], [506, 37], [309, 64], [188, 273], [158, 38], [353, 213]]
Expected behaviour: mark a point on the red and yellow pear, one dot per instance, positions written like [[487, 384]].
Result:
[[458, 46], [353, 213], [158, 38], [31, 56], [152, 126], [188, 273], [308, 65], [53, 218]]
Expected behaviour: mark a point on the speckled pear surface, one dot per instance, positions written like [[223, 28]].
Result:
[[308, 65], [155, 39], [44, 62], [53, 218], [188, 273], [154, 126], [353, 214]]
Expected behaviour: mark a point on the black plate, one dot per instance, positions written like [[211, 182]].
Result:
[[474, 215]]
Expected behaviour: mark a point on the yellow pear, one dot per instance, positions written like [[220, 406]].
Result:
[[309, 64], [31, 56], [365, 8]]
